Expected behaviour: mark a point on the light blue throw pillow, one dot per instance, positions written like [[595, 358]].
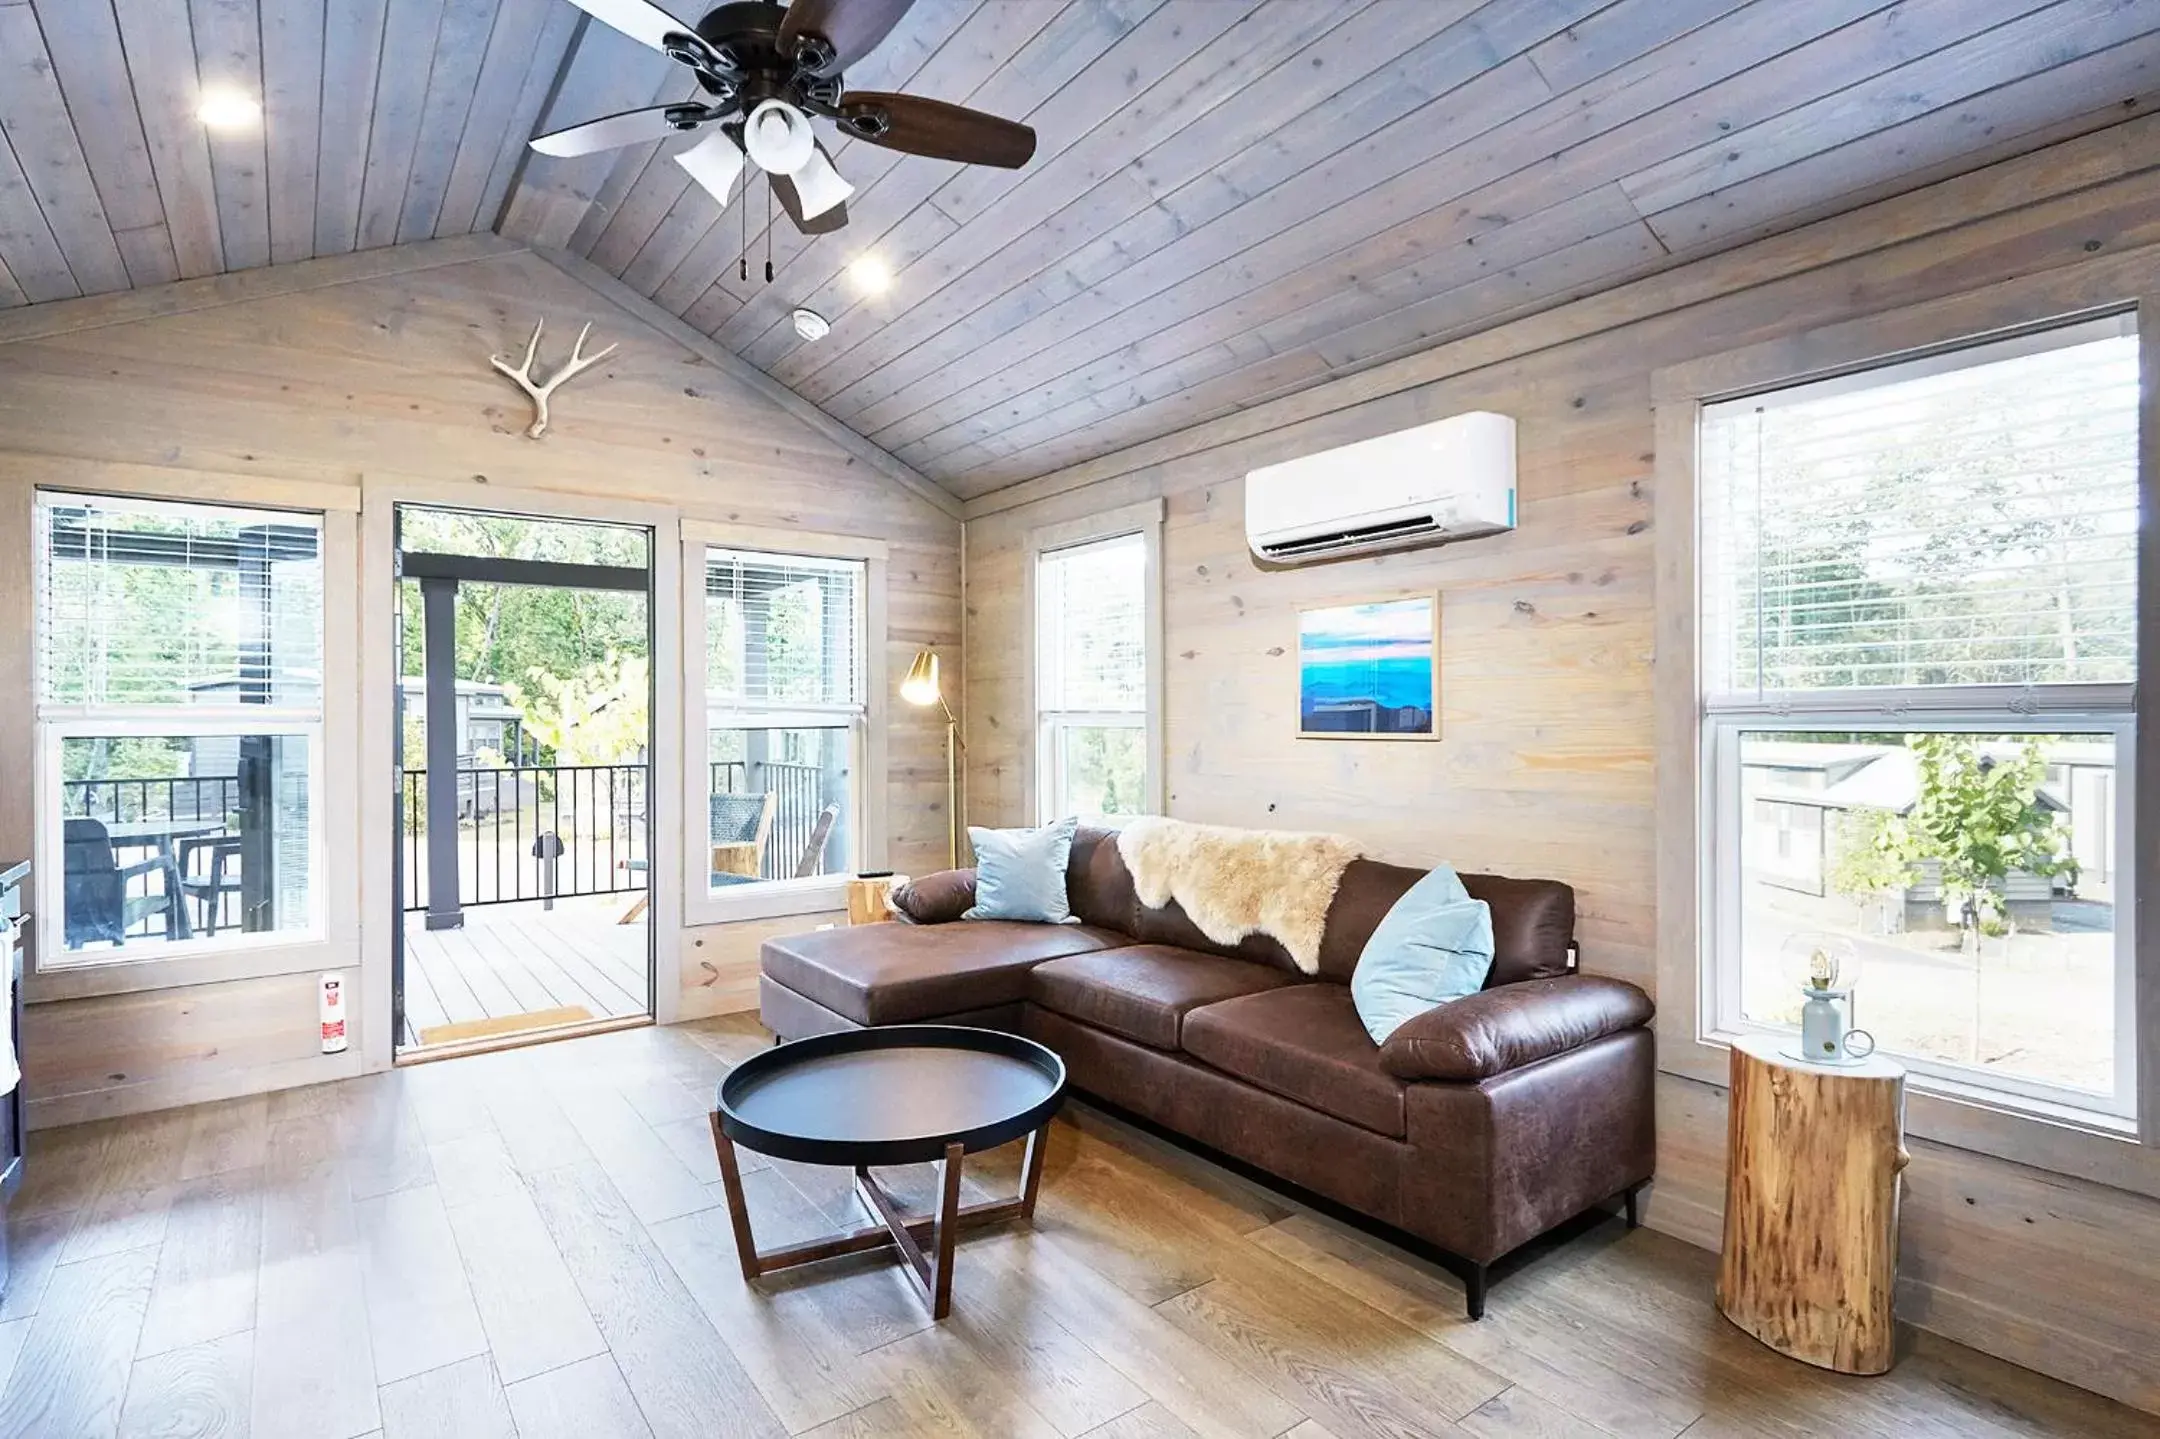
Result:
[[1434, 946], [1020, 873]]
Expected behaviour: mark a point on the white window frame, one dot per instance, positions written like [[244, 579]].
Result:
[[2087, 1143], [2095, 709], [1145, 520], [330, 939], [819, 894]]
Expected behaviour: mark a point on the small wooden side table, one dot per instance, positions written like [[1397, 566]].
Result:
[[1814, 1154], [869, 898]]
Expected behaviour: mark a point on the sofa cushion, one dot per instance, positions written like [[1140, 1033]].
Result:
[[938, 898], [1513, 1026], [1097, 883], [1533, 920], [1020, 873], [900, 973], [1144, 991], [1305, 1043]]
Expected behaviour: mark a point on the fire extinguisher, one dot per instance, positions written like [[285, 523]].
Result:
[[333, 1014]]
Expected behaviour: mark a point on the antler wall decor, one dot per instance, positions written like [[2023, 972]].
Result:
[[521, 374]]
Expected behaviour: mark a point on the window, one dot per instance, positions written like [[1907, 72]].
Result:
[[180, 706], [785, 715], [1091, 604], [1918, 645]]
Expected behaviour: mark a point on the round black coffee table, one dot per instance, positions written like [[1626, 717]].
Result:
[[897, 1094]]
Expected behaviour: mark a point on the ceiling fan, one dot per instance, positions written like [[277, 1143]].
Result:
[[766, 70]]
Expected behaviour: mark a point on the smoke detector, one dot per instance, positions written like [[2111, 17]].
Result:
[[811, 325]]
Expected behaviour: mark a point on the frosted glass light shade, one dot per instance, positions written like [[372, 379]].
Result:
[[714, 162]]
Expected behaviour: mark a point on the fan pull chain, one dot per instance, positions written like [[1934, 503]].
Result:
[[768, 229]]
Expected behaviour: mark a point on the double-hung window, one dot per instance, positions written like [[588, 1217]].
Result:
[[1918, 646], [179, 653], [1091, 614], [786, 715]]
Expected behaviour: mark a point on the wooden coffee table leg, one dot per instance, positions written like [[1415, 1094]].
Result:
[[738, 1209], [1031, 1171], [948, 1227]]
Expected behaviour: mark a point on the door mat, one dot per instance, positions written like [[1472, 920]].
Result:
[[466, 1029]]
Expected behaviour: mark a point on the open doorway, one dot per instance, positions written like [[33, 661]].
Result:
[[524, 742]]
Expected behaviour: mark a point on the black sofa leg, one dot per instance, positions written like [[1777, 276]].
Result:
[[1634, 1214], [1474, 1291]]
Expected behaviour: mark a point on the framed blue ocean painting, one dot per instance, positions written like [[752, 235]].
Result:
[[1370, 671]]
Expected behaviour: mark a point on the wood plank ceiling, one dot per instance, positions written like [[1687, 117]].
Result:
[[1231, 199]]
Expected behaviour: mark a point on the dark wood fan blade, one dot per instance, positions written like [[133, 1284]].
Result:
[[847, 30], [936, 129], [825, 224]]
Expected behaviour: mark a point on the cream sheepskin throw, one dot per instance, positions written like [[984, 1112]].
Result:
[[1237, 882]]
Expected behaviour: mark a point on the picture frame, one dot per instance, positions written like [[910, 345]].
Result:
[[1369, 669]]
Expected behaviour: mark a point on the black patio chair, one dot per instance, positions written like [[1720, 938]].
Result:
[[97, 905]]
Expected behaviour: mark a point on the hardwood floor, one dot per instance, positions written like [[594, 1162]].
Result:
[[531, 1243]]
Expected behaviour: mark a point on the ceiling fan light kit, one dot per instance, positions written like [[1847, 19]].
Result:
[[767, 71]]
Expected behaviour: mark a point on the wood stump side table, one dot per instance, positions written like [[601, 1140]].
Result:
[[869, 898], [1814, 1156]]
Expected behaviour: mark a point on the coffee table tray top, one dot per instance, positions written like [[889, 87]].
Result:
[[898, 1094]]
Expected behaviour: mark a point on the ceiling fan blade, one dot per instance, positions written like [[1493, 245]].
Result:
[[641, 20], [825, 222], [714, 162], [631, 127], [934, 128], [818, 185], [847, 30]]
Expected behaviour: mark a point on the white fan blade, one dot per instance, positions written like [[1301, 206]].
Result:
[[641, 20], [631, 127], [714, 162], [819, 184]]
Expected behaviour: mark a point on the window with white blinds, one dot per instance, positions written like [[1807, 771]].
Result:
[[1093, 605], [1965, 519], [143, 602], [1092, 677], [179, 653], [786, 715], [783, 630], [1918, 622]]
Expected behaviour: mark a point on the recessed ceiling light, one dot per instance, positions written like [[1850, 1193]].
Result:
[[227, 109], [870, 275], [811, 325]]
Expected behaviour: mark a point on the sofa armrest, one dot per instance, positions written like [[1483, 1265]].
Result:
[[1511, 1025], [936, 898]]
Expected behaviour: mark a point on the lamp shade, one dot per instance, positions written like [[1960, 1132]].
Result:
[[819, 186], [714, 162], [778, 137], [921, 685]]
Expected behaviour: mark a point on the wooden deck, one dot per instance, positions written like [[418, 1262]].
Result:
[[516, 967]]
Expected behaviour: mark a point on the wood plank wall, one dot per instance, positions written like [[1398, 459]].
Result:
[[374, 367], [1547, 757]]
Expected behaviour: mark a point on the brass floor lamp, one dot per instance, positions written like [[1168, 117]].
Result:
[[921, 687]]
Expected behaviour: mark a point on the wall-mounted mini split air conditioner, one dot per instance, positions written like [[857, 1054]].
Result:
[[1450, 480]]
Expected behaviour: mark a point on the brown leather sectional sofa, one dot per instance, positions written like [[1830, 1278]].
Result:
[[1476, 1127]]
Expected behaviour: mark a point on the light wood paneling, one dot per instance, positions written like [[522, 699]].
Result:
[[1241, 199], [1231, 200], [313, 381], [383, 120], [1548, 761]]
